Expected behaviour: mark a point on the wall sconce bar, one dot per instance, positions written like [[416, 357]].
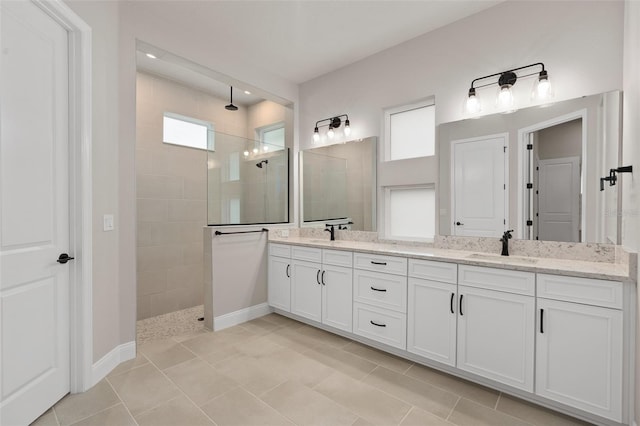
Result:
[[506, 79], [333, 123]]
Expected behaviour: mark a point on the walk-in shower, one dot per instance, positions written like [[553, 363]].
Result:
[[247, 182]]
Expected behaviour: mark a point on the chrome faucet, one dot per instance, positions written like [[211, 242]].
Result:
[[505, 242], [331, 229]]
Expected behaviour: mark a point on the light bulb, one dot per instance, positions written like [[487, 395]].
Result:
[[542, 88], [255, 150], [505, 97], [245, 153], [473, 103], [330, 133], [265, 148], [151, 56], [316, 135], [347, 128]]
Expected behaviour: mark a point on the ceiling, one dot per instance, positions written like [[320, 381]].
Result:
[[303, 39]]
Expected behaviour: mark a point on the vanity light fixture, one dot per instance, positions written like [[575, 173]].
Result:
[[506, 80], [332, 123]]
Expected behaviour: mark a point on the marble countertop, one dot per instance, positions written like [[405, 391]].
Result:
[[576, 268]]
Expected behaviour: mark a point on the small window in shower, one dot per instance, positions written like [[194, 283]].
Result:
[[187, 131], [272, 136]]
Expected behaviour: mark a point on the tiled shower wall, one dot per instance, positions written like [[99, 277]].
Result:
[[171, 188]]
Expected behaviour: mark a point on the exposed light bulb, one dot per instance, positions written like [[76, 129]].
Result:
[[505, 96], [255, 150], [246, 92], [347, 128], [331, 133], [151, 55], [316, 135], [265, 148], [245, 153], [473, 103], [542, 89]]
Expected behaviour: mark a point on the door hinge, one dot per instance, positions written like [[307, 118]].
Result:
[[537, 168], [537, 192], [529, 146], [529, 186], [529, 223], [504, 221], [504, 186], [504, 149]]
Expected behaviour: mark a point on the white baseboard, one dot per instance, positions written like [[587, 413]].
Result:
[[243, 315], [107, 363]]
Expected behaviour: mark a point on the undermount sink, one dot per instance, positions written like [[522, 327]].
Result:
[[503, 259]]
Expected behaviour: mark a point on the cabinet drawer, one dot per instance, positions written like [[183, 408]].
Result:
[[280, 250], [379, 324], [306, 253], [374, 262], [436, 271], [384, 290], [581, 290], [337, 258], [497, 279]]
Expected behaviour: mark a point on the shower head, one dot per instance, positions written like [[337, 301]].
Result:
[[231, 106], [259, 165]]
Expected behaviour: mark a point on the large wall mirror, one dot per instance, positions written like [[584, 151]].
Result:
[[536, 170], [338, 185]]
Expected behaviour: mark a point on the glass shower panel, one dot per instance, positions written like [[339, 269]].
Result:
[[247, 182]]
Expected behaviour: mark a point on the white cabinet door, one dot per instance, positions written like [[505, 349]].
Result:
[[496, 335], [306, 289], [579, 356], [337, 297], [431, 318], [279, 283]]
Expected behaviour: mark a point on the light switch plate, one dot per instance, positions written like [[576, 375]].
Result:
[[108, 222]]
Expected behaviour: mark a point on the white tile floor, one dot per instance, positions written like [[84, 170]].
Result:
[[273, 371]]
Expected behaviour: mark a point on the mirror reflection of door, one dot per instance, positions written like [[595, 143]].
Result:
[[556, 192], [479, 190]]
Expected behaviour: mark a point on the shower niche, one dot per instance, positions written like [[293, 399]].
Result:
[[247, 181]]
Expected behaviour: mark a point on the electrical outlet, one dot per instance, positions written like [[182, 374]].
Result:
[[108, 224]]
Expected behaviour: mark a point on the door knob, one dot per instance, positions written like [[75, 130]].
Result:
[[64, 258], [459, 223]]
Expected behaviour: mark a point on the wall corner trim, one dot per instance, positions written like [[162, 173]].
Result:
[[240, 316], [107, 363]]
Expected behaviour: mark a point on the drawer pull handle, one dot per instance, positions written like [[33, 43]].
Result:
[[378, 289], [460, 309], [378, 263], [322, 278], [451, 303], [378, 325], [288, 271], [318, 277], [541, 321]]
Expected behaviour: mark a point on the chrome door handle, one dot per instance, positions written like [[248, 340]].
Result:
[[459, 224]]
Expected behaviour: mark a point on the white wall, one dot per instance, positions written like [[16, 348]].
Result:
[[631, 155], [102, 17]]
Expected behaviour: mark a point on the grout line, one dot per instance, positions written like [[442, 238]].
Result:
[[495, 407], [55, 415], [406, 415], [96, 413], [453, 408]]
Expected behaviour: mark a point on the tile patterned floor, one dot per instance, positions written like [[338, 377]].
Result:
[[276, 371]]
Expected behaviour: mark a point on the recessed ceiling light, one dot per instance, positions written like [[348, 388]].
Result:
[[151, 55], [246, 92]]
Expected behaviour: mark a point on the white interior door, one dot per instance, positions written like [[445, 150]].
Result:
[[479, 186], [559, 199], [34, 212]]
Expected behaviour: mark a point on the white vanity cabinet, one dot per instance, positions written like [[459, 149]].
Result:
[[279, 277], [321, 285], [380, 298], [432, 310], [580, 345], [496, 321]]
